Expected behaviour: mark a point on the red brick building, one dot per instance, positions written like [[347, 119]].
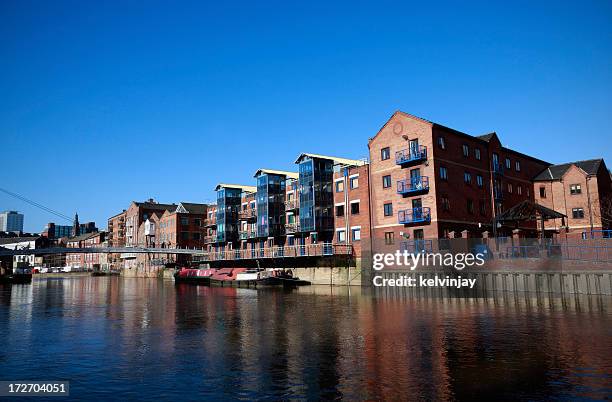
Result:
[[431, 181], [582, 191], [91, 260], [352, 207]]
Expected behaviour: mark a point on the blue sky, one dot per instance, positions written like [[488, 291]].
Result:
[[111, 102]]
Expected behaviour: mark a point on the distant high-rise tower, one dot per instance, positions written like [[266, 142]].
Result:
[[76, 228], [11, 221]]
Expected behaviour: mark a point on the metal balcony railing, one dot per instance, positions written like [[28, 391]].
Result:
[[411, 155], [247, 214], [292, 227], [413, 185], [208, 222], [247, 234], [414, 215], [291, 205], [417, 246]]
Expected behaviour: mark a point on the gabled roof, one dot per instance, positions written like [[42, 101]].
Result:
[[556, 172], [247, 189], [191, 208], [289, 175], [155, 206], [336, 160], [84, 236], [528, 211], [487, 137]]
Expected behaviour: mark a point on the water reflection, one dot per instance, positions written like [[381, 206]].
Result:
[[148, 339]]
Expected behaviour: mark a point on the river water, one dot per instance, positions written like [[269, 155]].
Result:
[[128, 338]]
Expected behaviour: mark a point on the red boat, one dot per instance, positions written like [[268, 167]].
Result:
[[193, 275]]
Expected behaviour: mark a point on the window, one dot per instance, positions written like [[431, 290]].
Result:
[[467, 178], [356, 234], [517, 166], [575, 189], [479, 181], [445, 203], [519, 190], [184, 221], [388, 209], [387, 181], [443, 173], [197, 222], [354, 182], [510, 188], [184, 235], [341, 236], [577, 213], [542, 192], [466, 150], [470, 206], [441, 143], [196, 236], [477, 153], [339, 186], [385, 153], [354, 208], [339, 210], [389, 238], [508, 164], [483, 207]]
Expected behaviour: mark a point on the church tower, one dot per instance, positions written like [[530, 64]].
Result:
[[76, 228]]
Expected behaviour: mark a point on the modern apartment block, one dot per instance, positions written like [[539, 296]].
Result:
[[11, 221], [54, 231], [318, 175]]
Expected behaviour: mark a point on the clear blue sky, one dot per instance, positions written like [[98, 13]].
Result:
[[111, 102]]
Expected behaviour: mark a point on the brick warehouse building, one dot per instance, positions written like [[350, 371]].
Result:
[[431, 181]]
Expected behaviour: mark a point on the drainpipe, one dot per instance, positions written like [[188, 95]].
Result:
[[346, 205], [589, 203]]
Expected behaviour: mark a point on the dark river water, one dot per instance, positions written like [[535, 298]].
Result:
[[122, 338]]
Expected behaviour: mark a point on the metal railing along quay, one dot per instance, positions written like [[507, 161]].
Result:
[[309, 250]]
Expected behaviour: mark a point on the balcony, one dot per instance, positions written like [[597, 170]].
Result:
[[411, 156], [210, 223], [247, 234], [292, 228], [292, 205], [412, 186], [414, 215], [209, 239], [247, 215]]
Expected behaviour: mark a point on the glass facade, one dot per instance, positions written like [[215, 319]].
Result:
[[316, 195], [270, 205], [228, 205]]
